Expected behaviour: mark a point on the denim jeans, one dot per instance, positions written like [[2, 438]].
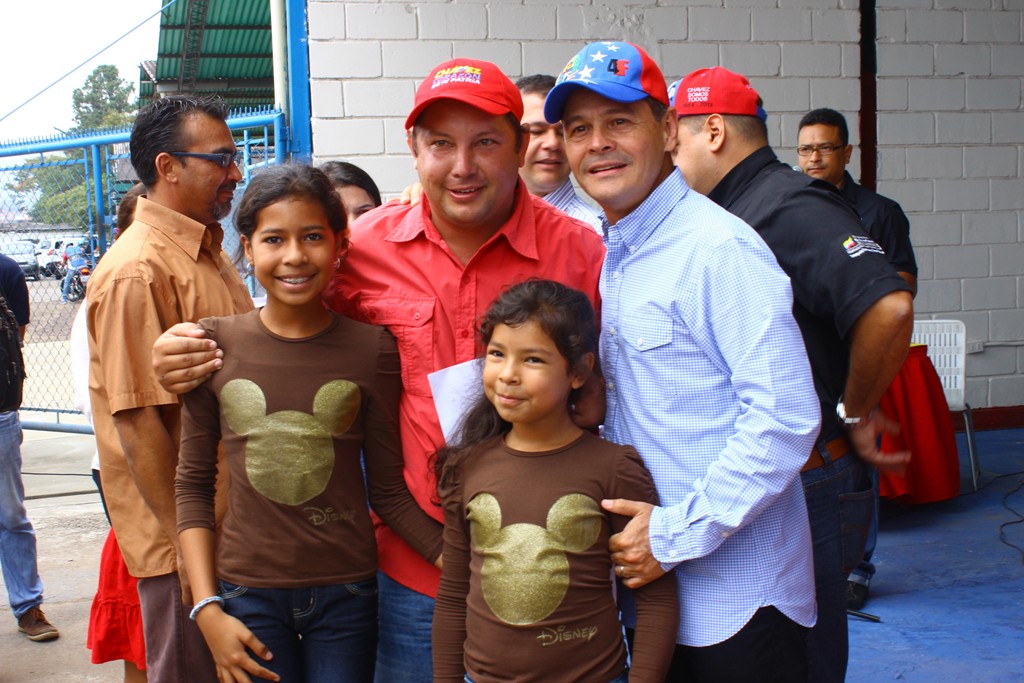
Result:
[[319, 634], [65, 287], [865, 569], [404, 653], [839, 504], [17, 537]]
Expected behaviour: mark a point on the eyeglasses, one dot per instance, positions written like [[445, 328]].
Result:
[[824, 150], [224, 160]]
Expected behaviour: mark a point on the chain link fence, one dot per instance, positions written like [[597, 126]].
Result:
[[60, 191]]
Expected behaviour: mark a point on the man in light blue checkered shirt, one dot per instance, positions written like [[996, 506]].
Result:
[[706, 375], [545, 169]]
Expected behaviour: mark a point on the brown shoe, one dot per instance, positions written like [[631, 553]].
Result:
[[34, 624]]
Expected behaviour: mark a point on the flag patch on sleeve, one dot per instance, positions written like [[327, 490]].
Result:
[[856, 245]]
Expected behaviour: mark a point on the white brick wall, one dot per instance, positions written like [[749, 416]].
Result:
[[950, 115], [953, 72], [367, 57]]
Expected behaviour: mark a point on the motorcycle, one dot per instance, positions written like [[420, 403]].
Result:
[[78, 270], [56, 269]]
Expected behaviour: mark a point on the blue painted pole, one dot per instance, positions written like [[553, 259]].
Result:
[[279, 143], [98, 193], [299, 109]]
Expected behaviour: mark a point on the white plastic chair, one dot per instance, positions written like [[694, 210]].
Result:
[[947, 350]]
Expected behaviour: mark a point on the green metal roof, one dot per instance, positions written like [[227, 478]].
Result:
[[218, 47]]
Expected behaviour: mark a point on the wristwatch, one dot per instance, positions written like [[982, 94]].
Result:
[[850, 422]]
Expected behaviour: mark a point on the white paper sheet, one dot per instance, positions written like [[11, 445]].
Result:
[[455, 389]]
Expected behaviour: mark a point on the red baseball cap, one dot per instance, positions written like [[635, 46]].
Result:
[[477, 83], [717, 91]]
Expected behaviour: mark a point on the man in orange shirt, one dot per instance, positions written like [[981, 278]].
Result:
[[167, 268]]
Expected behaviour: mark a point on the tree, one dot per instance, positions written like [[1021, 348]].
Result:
[[54, 191], [105, 100]]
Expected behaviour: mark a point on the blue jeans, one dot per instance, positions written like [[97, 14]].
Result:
[[17, 537], [320, 634], [839, 504], [865, 569], [65, 288], [404, 653]]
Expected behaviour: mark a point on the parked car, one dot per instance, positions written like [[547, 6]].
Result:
[[51, 253], [24, 252]]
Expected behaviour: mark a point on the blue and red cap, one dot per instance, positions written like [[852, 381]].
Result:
[[673, 88], [717, 91], [619, 71]]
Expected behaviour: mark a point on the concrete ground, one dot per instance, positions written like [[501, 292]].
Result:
[[949, 593], [70, 528]]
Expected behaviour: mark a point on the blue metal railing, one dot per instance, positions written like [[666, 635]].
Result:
[[100, 168]]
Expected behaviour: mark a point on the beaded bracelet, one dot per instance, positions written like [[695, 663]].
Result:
[[203, 603]]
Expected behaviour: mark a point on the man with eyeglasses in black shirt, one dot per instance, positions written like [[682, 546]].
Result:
[[824, 151]]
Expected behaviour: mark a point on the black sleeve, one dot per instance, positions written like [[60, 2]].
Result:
[[16, 292], [833, 275], [896, 230]]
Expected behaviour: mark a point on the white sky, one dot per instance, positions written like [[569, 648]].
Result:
[[41, 40]]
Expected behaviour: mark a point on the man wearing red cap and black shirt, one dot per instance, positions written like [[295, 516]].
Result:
[[428, 272], [823, 150], [706, 376], [854, 311]]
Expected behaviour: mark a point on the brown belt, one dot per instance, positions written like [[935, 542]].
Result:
[[837, 448]]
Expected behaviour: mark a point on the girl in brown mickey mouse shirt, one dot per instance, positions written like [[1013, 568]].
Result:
[[526, 587], [291, 575]]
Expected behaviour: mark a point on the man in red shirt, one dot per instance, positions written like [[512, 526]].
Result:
[[428, 272]]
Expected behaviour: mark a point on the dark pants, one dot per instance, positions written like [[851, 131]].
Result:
[[839, 505], [175, 649], [771, 648]]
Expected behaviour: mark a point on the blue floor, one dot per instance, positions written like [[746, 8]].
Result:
[[949, 593]]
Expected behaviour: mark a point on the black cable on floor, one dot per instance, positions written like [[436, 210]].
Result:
[[1019, 520]]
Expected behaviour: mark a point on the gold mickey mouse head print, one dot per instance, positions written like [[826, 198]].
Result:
[[289, 456], [525, 572]]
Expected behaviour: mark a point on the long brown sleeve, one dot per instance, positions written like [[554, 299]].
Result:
[[197, 459], [657, 604], [449, 632], [389, 496]]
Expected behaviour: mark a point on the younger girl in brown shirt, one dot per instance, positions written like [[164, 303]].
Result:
[[526, 587]]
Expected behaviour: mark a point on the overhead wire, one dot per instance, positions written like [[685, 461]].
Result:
[[89, 59]]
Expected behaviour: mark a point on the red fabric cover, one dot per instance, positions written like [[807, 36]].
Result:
[[915, 400], [115, 621]]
